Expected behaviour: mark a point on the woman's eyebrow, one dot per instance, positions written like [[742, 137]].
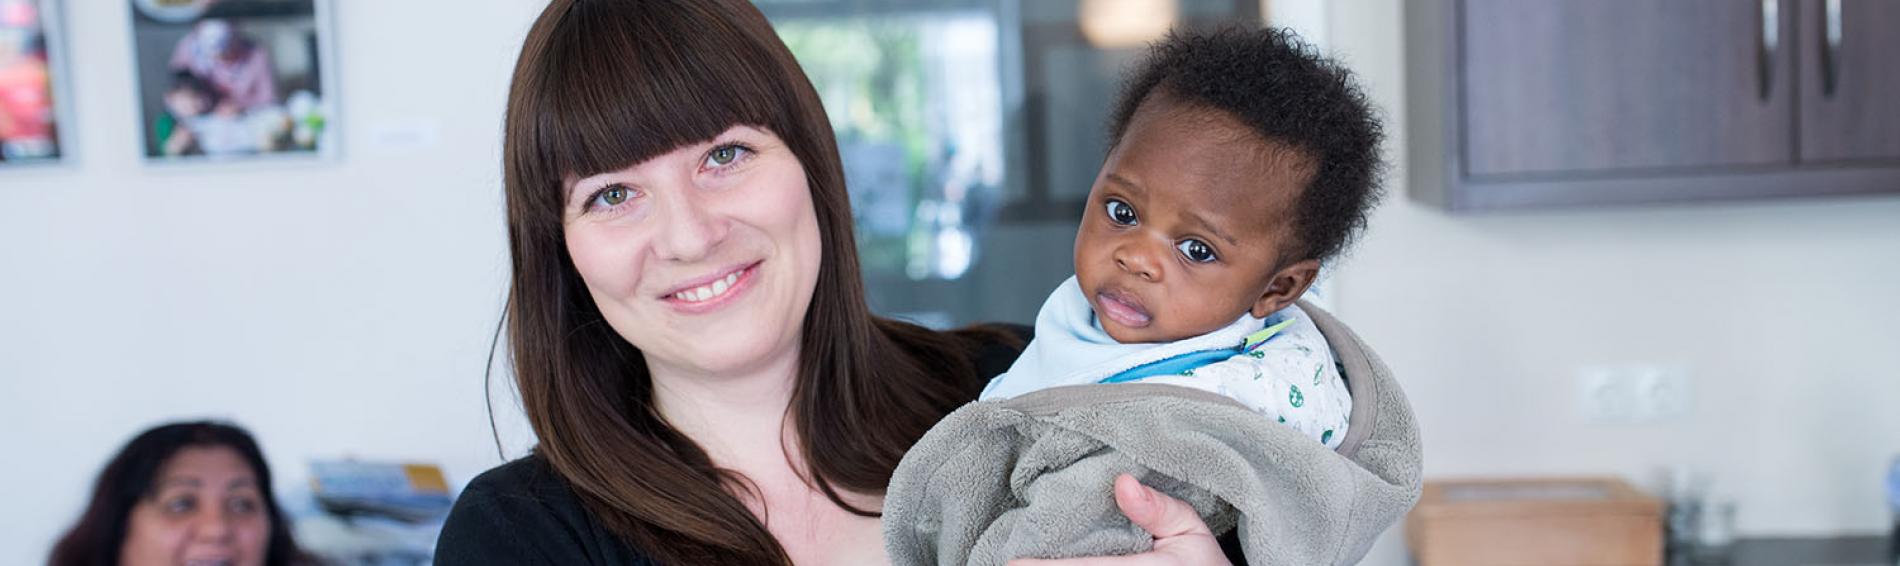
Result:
[[180, 481]]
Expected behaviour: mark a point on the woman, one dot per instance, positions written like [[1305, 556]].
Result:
[[688, 325], [185, 493]]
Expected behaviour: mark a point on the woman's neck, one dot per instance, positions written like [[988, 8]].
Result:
[[739, 419], [743, 423]]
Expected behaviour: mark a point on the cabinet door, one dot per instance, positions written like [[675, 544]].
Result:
[[1850, 80], [1625, 87]]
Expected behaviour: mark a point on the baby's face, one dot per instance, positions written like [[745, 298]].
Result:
[[1185, 224]]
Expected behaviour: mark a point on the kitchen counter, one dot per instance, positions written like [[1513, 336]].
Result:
[[1838, 551]]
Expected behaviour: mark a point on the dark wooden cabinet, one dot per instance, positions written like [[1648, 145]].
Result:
[[1850, 80], [1552, 103], [1556, 86]]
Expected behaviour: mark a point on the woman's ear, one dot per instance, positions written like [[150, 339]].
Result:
[[1285, 287]]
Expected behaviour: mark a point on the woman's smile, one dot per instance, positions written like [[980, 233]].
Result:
[[707, 294]]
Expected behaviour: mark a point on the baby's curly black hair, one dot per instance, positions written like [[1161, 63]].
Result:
[[1282, 89]]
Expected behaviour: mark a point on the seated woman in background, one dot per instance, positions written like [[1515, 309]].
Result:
[[195, 493]]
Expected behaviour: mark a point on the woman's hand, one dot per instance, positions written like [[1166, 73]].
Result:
[[1181, 539]]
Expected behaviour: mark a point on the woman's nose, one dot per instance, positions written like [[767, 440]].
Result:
[[689, 229], [213, 526], [1133, 258]]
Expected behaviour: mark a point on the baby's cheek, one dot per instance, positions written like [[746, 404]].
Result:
[[1088, 268], [1200, 311]]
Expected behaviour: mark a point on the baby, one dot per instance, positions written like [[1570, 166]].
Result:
[[1239, 164]]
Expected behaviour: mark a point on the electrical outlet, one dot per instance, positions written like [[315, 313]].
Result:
[[1661, 392], [1604, 395], [1633, 393]]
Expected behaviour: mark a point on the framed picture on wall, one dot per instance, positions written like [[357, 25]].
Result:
[[32, 98], [233, 79]]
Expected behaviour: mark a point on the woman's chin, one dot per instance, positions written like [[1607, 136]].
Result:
[[733, 350]]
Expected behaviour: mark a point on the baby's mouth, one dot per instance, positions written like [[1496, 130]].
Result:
[[1123, 308]]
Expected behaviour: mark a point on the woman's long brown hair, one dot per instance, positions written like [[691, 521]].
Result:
[[604, 84]]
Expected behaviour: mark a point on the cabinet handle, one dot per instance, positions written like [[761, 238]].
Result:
[[1770, 44], [1831, 52]]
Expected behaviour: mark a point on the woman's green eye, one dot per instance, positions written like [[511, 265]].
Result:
[[613, 196], [1196, 251], [724, 155]]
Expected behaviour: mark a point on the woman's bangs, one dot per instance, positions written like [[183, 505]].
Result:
[[623, 88]]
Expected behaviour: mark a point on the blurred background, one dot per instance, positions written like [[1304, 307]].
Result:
[[1653, 241]]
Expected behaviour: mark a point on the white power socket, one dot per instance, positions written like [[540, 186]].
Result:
[[1604, 396], [1633, 393], [1662, 392]]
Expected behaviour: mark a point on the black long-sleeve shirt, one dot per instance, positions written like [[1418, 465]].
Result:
[[524, 513]]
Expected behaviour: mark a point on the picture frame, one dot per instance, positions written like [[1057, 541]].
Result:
[[234, 80], [35, 104]]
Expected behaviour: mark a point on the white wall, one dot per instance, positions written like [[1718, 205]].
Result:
[[334, 308], [1787, 314]]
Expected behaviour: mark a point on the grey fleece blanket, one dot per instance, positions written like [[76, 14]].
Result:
[[1033, 476]]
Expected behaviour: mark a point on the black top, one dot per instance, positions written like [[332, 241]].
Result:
[[522, 512]]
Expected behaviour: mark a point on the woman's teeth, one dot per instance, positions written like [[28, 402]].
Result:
[[707, 292]]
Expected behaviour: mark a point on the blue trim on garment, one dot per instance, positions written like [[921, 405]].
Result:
[[1176, 365], [1180, 364]]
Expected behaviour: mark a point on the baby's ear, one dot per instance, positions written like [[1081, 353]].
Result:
[[1285, 287]]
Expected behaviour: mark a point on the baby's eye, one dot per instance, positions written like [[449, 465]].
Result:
[[724, 155], [613, 196], [1196, 251], [1120, 213]]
